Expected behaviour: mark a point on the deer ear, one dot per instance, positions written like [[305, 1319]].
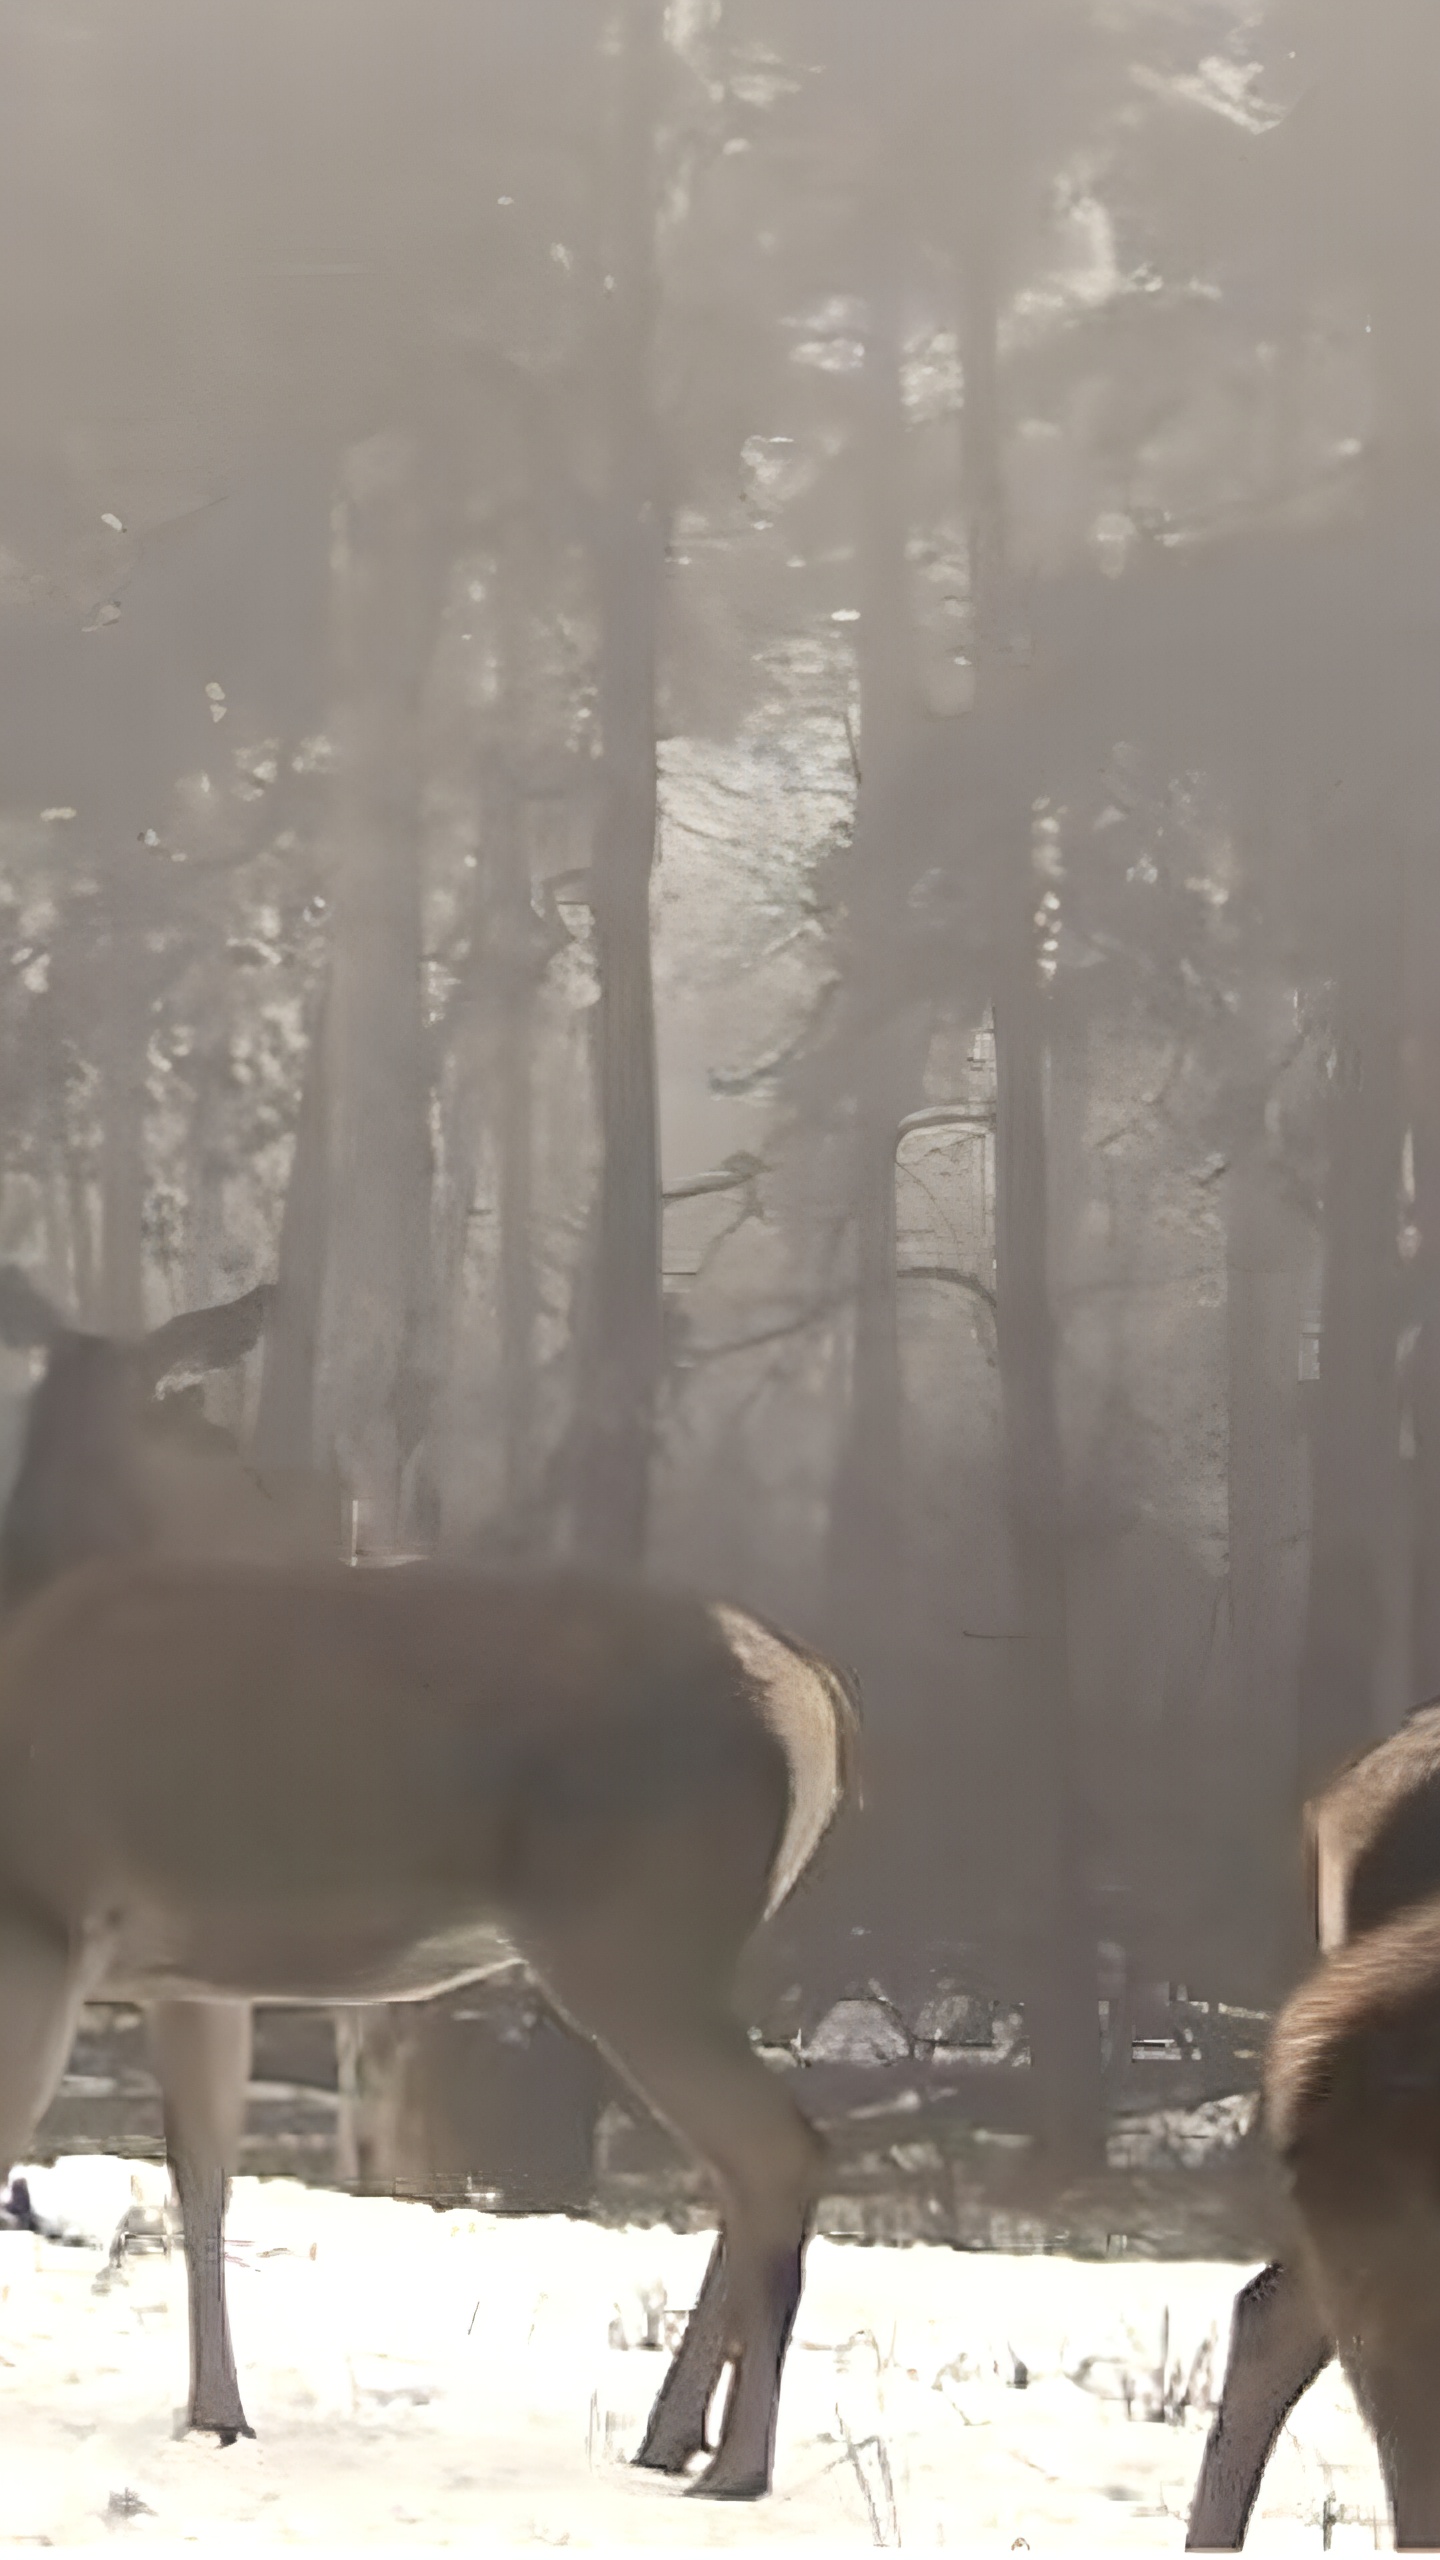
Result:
[[28, 1322], [207, 1338]]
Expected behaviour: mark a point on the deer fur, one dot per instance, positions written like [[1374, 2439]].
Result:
[[241, 1780], [1373, 1845]]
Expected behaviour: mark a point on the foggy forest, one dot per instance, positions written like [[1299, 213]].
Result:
[[715, 719]]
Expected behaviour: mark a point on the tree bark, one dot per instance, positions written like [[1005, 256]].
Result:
[[125, 1065], [285, 1419], [376, 1065], [1262, 1332], [621, 1354], [376, 1096], [866, 1536], [1062, 2005], [1355, 1451], [1423, 1061], [514, 1154]]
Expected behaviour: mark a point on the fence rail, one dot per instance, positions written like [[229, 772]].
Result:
[[885, 2121]]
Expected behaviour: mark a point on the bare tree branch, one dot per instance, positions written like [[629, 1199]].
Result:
[[741, 1080], [737, 1173], [820, 1311]]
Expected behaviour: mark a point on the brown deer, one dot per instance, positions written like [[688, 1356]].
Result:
[[1346, 2112], [287, 1781], [113, 1464]]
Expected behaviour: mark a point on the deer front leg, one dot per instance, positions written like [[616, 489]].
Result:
[[1277, 2347], [201, 2051]]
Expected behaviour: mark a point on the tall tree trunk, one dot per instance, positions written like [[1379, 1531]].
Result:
[[59, 1255], [1062, 2002], [492, 1066], [866, 1534], [285, 1420], [376, 1072], [1423, 1060], [622, 1352], [377, 1064], [514, 1155], [1262, 1333], [125, 1068], [202, 1274], [82, 1240], [1062, 1997], [1355, 1451], [204, 1176]]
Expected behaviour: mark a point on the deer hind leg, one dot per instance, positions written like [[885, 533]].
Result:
[[201, 2051], [694, 2065], [41, 1990], [1386, 2309], [1375, 2241], [1278, 2345], [767, 2160], [676, 2430]]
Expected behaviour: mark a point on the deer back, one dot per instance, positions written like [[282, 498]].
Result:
[[1374, 1834]]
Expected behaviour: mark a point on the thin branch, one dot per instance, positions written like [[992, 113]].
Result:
[[975, 1117], [821, 1310], [802, 1322], [737, 1173], [952, 1278], [742, 1080], [1155, 1101]]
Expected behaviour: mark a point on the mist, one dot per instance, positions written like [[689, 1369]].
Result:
[[719, 720]]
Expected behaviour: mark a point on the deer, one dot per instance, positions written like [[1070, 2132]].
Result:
[[1347, 2115], [173, 1482], [269, 1778]]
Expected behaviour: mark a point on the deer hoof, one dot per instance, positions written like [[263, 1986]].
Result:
[[737, 2486], [226, 2431], [671, 2459]]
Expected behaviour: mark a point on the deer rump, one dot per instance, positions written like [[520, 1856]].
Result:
[[306, 1784], [1351, 2092]]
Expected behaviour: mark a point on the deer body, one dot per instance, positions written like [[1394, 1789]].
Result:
[[1353, 2110], [261, 1741], [229, 1781]]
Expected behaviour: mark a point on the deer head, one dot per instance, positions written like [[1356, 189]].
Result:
[[101, 1442]]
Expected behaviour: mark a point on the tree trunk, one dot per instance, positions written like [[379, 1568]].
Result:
[[377, 1065], [1344, 1705], [866, 1535], [204, 1177], [489, 1095], [376, 1085], [1423, 1060], [1062, 2006], [202, 1268], [622, 1352], [1262, 1331], [125, 1065], [285, 1420], [514, 1154], [82, 1235]]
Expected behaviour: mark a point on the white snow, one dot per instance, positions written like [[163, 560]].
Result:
[[422, 2379]]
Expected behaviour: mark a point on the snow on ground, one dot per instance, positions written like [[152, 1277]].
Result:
[[417, 2378]]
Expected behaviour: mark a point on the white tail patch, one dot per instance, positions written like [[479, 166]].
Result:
[[1332, 1880], [807, 1711]]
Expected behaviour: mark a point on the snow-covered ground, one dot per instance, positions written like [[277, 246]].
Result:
[[418, 2379]]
